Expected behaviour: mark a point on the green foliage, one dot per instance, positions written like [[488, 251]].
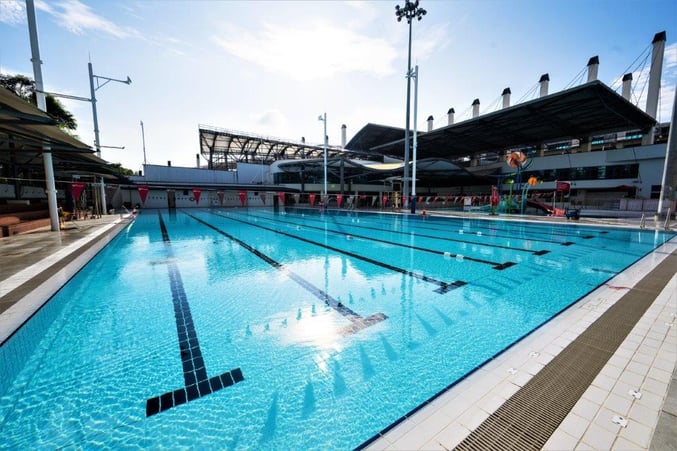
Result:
[[25, 88], [121, 170]]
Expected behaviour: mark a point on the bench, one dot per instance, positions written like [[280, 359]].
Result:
[[26, 226], [23, 221], [5, 222]]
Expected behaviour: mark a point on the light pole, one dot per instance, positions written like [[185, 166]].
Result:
[[323, 118], [409, 11], [97, 143], [143, 140], [413, 175]]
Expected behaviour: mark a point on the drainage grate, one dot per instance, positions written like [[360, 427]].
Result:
[[527, 420]]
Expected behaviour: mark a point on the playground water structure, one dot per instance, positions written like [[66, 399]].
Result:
[[303, 319]]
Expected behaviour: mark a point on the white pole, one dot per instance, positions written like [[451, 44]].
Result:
[[323, 118], [413, 181], [50, 188], [143, 140]]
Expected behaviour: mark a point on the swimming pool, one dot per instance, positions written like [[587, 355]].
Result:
[[260, 329]]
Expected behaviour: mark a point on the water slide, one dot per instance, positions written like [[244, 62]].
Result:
[[548, 209]]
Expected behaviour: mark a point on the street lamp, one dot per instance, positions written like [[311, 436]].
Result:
[[97, 143], [323, 118], [409, 11]]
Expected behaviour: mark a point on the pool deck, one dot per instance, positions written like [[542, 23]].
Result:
[[637, 387]]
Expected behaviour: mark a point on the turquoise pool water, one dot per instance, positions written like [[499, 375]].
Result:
[[256, 329]]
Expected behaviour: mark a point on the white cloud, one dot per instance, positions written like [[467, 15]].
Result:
[[310, 53], [79, 18], [12, 12]]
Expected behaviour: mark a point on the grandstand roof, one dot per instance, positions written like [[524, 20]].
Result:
[[224, 148], [576, 113]]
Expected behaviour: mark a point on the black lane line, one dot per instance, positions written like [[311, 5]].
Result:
[[196, 381], [443, 286], [495, 265], [399, 232], [531, 226], [358, 322]]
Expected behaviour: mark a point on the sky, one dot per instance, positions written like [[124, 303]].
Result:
[[270, 68]]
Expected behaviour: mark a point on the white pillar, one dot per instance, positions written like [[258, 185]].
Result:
[[669, 179], [50, 187], [343, 135], [430, 123], [655, 74]]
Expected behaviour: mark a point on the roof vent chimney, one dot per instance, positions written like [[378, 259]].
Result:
[[593, 66], [627, 87], [430, 123], [506, 97], [544, 81], [655, 73], [450, 116], [475, 107]]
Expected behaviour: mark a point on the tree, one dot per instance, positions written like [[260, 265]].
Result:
[[25, 88]]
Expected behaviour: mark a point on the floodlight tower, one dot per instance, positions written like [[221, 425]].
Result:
[[409, 11]]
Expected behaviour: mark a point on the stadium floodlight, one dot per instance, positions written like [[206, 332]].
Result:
[[323, 118], [409, 11]]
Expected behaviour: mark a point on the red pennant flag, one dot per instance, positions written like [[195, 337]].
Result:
[[281, 196], [220, 194], [311, 199], [77, 188], [385, 199], [363, 196], [263, 198], [196, 194], [339, 199], [243, 196], [563, 187], [143, 193]]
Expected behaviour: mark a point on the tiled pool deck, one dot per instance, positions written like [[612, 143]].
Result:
[[638, 383]]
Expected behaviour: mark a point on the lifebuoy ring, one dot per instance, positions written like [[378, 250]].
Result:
[[192, 199], [516, 159]]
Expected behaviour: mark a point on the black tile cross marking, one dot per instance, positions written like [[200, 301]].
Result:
[[357, 321], [196, 381]]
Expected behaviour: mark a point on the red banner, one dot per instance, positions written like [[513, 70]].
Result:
[[339, 199], [363, 196], [563, 187], [311, 199], [243, 197], [281, 196], [77, 188], [385, 200], [196, 194], [220, 194], [143, 193]]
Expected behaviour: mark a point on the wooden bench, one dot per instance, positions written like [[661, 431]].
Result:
[[26, 226], [23, 221], [5, 222]]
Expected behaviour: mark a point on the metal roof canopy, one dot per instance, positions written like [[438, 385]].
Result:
[[24, 129], [587, 110], [224, 148]]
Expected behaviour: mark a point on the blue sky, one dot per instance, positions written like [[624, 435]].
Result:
[[270, 68]]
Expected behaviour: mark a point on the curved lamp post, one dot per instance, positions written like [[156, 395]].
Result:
[[97, 143], [409, 11]]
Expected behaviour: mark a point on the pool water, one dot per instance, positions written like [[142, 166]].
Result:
[[263, 329]]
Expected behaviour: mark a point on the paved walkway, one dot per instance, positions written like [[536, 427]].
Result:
[[631, 404]]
